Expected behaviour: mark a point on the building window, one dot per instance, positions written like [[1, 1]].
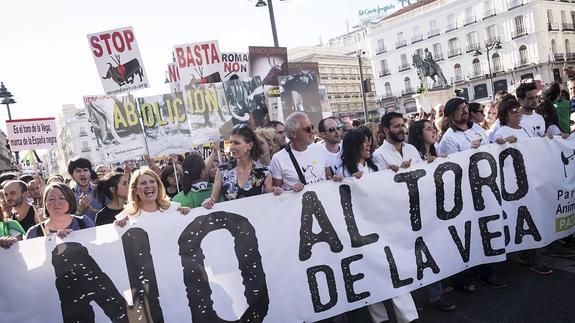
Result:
[[491, 34], [550, 16], [567, 46], [457, 72], [523, 55], [476, 67], [469, 16], [380, 46], [553, 46], [404, 60], [519, 24], [472, 42], [453, 48], [496, 59], [437, 53], [387, 89], [407, 83]]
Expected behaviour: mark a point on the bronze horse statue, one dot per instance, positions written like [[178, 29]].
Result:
[[429, 69]]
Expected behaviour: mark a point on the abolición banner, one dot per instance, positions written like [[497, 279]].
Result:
[[333, 247]]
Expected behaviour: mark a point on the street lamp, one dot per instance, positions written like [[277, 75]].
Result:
[[496, 45], [7, 99], [363, 83], [262, 3]]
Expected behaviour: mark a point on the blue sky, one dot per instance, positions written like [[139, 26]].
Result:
[[45, 60]]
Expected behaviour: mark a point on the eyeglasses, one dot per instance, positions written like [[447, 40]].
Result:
[[240, 126], [332, 129], [308, 129], [516, 110]]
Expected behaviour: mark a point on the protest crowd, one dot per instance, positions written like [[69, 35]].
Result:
[[285, 157]]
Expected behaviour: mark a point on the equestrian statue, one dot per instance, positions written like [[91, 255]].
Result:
[[428, 67]]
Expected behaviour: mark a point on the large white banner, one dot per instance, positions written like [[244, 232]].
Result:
[[118, 60], [301, 256], [30, 134]]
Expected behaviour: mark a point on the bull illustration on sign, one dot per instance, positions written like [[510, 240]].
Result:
[[124, 73]]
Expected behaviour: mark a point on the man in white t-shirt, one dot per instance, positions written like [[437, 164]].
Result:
[[395, 153], [330, 131], [311, 158], [462, 134], [531, 121]]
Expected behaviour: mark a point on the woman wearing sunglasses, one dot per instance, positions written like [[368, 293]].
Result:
[[510, 114], [243, 176]]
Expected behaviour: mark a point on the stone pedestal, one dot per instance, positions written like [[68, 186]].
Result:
[[433, 98]]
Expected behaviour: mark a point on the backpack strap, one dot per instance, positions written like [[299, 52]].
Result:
[[296, 165]]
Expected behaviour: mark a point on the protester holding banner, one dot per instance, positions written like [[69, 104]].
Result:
[[243, 176], [531, 121], [510, 115], [61, 206], [356, 156], [394, 153], [423, 136], [330, 131], [461, 134], [146, 196], [195, 186], [170, 177], [113, 187], [10, 230]]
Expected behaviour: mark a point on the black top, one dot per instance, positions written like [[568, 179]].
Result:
[[28, 221], [107, 215], [171, 195]]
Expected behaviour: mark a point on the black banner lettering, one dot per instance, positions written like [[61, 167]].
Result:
[[464, 251], [477, 182], [421, 250], [349, 279], [318, 306], [520, 175], [487, 236], [440, 190], [357, 240], [411, 178]]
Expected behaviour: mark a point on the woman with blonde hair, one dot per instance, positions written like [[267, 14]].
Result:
[[266, 136], [146, 195]]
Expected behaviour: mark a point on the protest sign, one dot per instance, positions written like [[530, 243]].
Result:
[[174, 78], [235, 66], [209, 116], [30, 134], [246, 100], [166, 125], [199, 63], [117, 127], [300, 91], [333, 247], [118, 60], [324, 99], [268, 63]]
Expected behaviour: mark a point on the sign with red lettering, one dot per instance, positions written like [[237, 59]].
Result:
[[199, 63], [173, 78], [118, 60], [235, 66]]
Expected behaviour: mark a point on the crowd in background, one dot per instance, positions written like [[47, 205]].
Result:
[[287, 157]]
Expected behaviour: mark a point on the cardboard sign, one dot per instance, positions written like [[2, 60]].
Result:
[[268, 63], [31, 134], [118, 60], [236, 66], [199, 63]]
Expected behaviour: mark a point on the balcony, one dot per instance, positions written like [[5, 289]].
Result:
[[469, 20], [438, 57], [518, 33], [453, 53], [497, 67], [381, 51], [471, 47], [82, 134], [407, 91], [433, 33], [384, 73], [489, 13], [400, 43], [558, 57], [568, 27], [403, 67], [458, 78], [416, 39], [476, 74], [570, 56], [551, 26], [491, 41], [85, 149], [451, 27], [513, 4], [387, 95]]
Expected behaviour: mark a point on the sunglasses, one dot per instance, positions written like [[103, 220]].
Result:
[[516, 110], [240, 126], [332, 129], [308, 129]]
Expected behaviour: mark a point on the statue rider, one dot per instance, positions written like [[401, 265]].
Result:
[[428, 58]]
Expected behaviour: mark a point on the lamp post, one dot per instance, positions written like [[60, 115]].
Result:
[[262, 3], [363, 87], [495, 45], [7, 99]]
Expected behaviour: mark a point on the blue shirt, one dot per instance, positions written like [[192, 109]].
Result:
[[74, 225], [94, 204]]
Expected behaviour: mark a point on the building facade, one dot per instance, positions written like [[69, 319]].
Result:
[[338, 63], [481, 46], [5, 154]]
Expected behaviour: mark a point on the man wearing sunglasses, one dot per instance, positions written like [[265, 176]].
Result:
[[301, 162], [330, 131]]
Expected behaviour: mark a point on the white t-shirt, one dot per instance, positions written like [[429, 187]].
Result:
[[360, 168], [456, 140], [506, 131], [493, 129], [333, 159], [386, 155], [173, 207], [312, 163], [534, 124]]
